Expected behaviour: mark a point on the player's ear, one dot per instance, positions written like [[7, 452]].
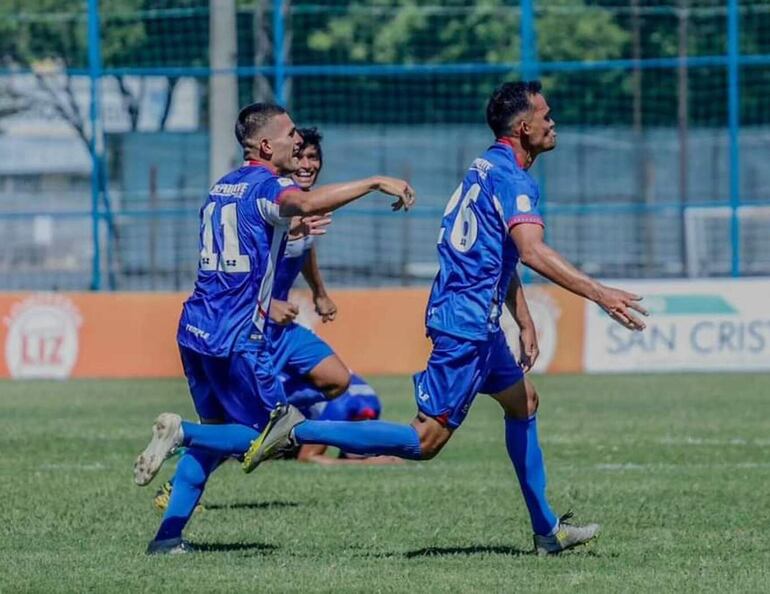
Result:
[[265, 147]]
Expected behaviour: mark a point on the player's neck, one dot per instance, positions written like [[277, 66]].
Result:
[[257, 161], [523, 157]]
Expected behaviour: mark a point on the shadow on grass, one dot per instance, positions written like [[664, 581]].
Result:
[[471, 550], [493, 550], [251, 505], [216, 547]]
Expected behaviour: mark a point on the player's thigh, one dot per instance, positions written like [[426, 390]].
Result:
[[456, 370], [307, 355], [247, 387], [506, 382], [207, 405]]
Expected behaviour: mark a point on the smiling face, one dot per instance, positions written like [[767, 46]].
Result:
[[309, 165]]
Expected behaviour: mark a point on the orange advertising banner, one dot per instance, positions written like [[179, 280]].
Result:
[[132, 335]]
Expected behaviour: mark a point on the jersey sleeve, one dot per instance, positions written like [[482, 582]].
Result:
[[516, 200], [270, 195]]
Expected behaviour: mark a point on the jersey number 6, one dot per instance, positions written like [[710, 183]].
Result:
[[465, 228]]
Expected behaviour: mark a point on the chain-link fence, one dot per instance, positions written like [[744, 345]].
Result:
[[111, 123]]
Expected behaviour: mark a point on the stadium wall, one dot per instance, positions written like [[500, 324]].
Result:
[[695, 325]]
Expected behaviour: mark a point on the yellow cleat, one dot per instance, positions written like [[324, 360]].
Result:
[[162, 496], [276, 438]]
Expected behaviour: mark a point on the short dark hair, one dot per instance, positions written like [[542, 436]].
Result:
[[312, 137], [509, 100], [253, 118]]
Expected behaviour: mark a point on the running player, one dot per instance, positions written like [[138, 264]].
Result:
[[491, 221], [221, 331]]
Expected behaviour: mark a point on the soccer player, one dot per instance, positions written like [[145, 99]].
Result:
[[221, 331], [296, 350], [491, 221]]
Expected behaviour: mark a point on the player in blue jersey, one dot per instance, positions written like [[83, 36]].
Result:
[[490, 223], [296, 350], [224, 353], [309, 369]]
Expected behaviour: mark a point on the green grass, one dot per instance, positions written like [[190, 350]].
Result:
[[675, 467]]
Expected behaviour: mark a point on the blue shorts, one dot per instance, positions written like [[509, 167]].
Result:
[[296, 350], [457, 370], [241, 388]]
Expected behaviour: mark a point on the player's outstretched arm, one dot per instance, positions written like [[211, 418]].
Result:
[[324, 306], [534, 253], [517, 305], [325, 199]]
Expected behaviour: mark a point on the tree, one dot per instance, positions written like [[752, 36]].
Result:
[[487, 31]]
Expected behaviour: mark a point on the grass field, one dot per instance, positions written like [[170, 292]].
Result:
[[676, 468]]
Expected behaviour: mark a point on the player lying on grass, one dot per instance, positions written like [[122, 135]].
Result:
[[490, 223], [224, 352]]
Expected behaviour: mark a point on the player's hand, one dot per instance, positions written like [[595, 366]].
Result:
[[528, 349], [398, 188], [312, 225], [618, 305], [325, 308], [283, 312]]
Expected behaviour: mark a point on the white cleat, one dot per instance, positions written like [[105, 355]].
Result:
[[166, 437], [566, 537]]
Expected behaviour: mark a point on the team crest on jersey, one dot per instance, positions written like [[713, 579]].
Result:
[[284, 182], [43, 337], [523, 203]]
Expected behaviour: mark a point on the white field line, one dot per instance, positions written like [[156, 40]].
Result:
[[96, 466], [678, 467]]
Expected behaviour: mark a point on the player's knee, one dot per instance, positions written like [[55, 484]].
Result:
[[429, 449], [331, 377], [533, 401], [337, 388], [433, 436]]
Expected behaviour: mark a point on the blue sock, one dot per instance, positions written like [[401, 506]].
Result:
[[192, 472], [365, 438], [225, 440], [527, 457]]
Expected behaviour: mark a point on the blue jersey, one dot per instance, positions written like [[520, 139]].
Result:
[[242, 239], [290, 266], [477, 257]]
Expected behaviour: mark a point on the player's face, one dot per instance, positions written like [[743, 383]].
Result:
[[284, 142], [540, 129], [309, 166]]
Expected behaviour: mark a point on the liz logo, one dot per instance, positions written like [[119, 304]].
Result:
[[43, 337]]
